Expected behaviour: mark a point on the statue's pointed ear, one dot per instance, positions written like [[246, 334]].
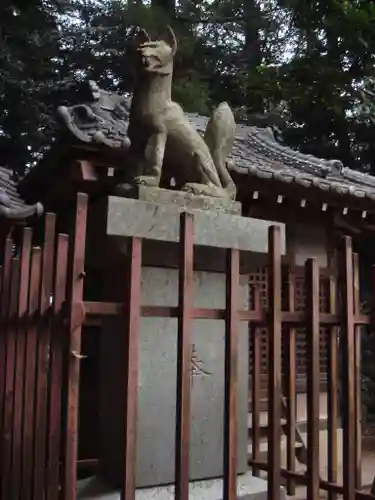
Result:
[[141, 37], [170, 38]]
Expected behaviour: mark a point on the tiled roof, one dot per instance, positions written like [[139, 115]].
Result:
[[101, 119], [257, 153], [12, 206]]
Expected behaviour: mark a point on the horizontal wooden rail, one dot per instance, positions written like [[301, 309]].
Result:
[[301, 478], [258, 317]]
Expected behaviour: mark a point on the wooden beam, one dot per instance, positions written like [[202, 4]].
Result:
[[313, 350], [332, 398], [231, 375], [8, 409], [312, 194], [30, 369], [20, 362], [347, 342], [256, 384], [75, 330], [131, 360], [274, 363], [183, 404], [290, 212], [58, 345], [290, 382], [43, 356], [84, 170]]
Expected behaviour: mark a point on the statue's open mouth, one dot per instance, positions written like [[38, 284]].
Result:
[[150, 63]]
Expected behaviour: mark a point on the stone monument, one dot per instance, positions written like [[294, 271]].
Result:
[[164, 144]]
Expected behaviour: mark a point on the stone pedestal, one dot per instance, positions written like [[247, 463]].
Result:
[[180, 199], [160, 222], [157, 385], [158, 343]]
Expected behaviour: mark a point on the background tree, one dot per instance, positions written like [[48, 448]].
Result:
[[29, 72], [305, 66]]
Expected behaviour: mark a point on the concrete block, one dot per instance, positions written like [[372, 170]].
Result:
[[155, 221]]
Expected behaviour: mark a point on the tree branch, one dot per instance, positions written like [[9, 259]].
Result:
[[179, 18], [212, 19]]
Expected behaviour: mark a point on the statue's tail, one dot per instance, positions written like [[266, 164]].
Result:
[[219, 137]]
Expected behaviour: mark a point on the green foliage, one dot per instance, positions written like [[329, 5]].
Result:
[[309, 65], [193, 95], [321, 85], [29, 44]]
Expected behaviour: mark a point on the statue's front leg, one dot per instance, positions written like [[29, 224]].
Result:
[[154, 156]]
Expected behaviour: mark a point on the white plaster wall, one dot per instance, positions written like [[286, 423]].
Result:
[[306, 241]]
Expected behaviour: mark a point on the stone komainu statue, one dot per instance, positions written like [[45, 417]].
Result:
[[162, 138], [163, 143]]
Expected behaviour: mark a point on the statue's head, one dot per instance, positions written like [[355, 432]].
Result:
[[156, 56]]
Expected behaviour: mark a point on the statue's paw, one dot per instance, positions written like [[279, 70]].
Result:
[[147, 180], [231, 190]]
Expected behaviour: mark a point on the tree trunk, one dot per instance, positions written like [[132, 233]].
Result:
[[168, 6], [253, 47]]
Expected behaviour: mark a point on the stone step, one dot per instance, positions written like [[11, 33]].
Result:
[[263, 425], [301, 406], [263, 446], [263, 450], [263, 420], [302, 423]]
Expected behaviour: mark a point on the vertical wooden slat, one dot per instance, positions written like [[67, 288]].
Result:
[[186, 281], [358, 376], [348, 372], [57, 351], [332, 396], [43, 358], [231, 375], [372, 326], [290, 392], [29, 383], [5, 300], [274, 364], [74, 354], [313, 376], [256, 386], [10, 333], [132, 326], [4, 304], [20, 362]]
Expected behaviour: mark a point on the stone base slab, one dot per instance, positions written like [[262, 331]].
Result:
[[157, 221], [181, 199], [248, 488]]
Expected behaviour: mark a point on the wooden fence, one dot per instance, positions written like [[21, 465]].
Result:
[[42, 310]]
